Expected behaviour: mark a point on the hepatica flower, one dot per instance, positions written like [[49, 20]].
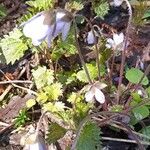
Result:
[[47, 25], [94, 92], [117, 3], [90, 38], [116, 42]]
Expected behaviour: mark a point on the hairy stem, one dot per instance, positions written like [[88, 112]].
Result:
[[124, 51], [80, 54]]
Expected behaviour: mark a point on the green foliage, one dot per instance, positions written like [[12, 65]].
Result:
[[21, 119], [80, 112], [3, 11], [75, 5], [37, 6], [13, 46], [2, 58], [140, 112], [42, 76], [148, 91], [140, 10], [101, 8], [116, 108], [40, 5], [50, 92], [66, 47], [90, 138], [55, 132], [146, 131], [147, 14], [74, 98], [54, 107], [134, 75], [81, 76]]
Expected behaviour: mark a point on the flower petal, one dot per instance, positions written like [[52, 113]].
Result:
[[49, 35], [110, 43], [99, 96], [118, 39], [90, 38], [36, 42], [100, 85], [89, 96], [59, 15], [58, 28], [117, 2], [65, 30], [35, 29]]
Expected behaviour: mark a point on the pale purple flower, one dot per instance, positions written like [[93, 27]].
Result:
[[116, 2], [90, 38], [94, 92], [39, 29]]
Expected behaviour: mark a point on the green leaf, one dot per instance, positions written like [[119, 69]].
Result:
[[146, 131], [81, 75], [13, 46], [42, 76], [53, 91], [148, 91], [3, 11], [101, 8], [140, 112], [55, 132], [54, 107], [134, 75], [147, 14], [90, 138], [41, 5], [74, 98]]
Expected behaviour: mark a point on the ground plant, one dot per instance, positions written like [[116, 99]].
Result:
[[75, 75]]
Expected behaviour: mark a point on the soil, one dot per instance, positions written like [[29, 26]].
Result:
[[140, 47]]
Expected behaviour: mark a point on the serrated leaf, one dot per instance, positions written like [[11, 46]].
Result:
[[53, 91], [134, 75], [54, 107], [74, 98], [89, 138], [55, 132], [140, 112], [101, 8], [42, 76], [41, 5], [30, 103], [74, 5], [13, 47]]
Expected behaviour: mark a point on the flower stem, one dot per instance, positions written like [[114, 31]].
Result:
[[124, 50], [80, 54]]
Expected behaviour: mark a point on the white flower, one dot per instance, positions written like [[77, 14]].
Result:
[[116, 2], [47, 25], [116, 42], [90, 38], [34, 142], [95, 92]]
